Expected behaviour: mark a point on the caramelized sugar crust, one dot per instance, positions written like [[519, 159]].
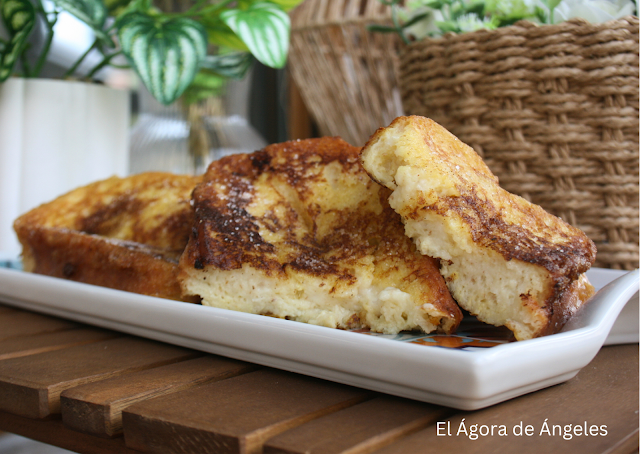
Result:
[[469, 191], [150, 208], [123, 233], [308, 208], [505, 259]]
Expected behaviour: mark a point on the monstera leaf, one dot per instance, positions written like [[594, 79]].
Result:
[[91, 12], [264, 28], [18, 17], [166, 53]]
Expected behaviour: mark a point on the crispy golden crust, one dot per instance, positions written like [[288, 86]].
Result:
[[504, 222], [438, 179], [97, 260], [150, 208], [122, 233], [569, 301], [307, 207]]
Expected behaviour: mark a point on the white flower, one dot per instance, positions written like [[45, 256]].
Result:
[[521, 8], [471, 22], [592, 10]]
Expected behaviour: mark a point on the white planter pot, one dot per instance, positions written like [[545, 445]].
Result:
[[55, 136]]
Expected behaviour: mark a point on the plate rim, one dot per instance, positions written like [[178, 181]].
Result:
[[467, 380]]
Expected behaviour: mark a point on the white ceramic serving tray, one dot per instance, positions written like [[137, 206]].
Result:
[[467, 379]]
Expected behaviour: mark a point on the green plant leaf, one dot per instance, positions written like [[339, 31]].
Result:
[[120, 8], [220, 34], [448, 26], [264, 28], [166, 53], [225, 37], [115, 7], [18, 17], [463, 9], [204, 85], [91, 12], [551, 4], [414, 20], [436, 4], [381, 28], [542, 15], [233, 65], [286, 5]]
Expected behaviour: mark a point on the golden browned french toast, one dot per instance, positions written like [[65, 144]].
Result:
[[122, 233], [299, 231], [505, 260]]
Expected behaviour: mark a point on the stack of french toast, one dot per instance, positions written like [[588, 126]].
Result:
[[402, 234]]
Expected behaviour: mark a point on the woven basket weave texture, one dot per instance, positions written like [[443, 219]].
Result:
[[552, 109], [347, 75]]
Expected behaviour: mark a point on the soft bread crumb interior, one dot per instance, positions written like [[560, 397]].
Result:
[[306, 299], [387, 163], [497, 291]]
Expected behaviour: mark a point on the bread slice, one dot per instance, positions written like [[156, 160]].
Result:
[[299, 231], [122, 233], [505, 260]]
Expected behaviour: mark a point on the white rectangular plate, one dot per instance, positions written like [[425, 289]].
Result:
[[467, 378]]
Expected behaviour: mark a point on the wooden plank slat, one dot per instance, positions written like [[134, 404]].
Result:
[[603, 394], [629, 445], [358, 429], [30, 386], [24, 323], [38, 343], [96, 408], [53, 432], [233, 416], [6, 309]]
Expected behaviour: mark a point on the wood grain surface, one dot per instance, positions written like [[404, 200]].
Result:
[[53, 432], [97, 392], [15, 347], [358, 429], [6, 309], [603, 394], [21, 323], [31, 385], [234, 415], [96, 408]]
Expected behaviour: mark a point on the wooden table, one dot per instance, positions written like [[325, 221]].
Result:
[[96, 391]]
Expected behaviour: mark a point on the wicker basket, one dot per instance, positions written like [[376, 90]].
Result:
[[347, 76], [552, 109]]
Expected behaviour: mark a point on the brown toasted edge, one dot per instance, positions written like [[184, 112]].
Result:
[[565, 263], [101, 261], [566, 303], [238, 241], [228, 218]]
